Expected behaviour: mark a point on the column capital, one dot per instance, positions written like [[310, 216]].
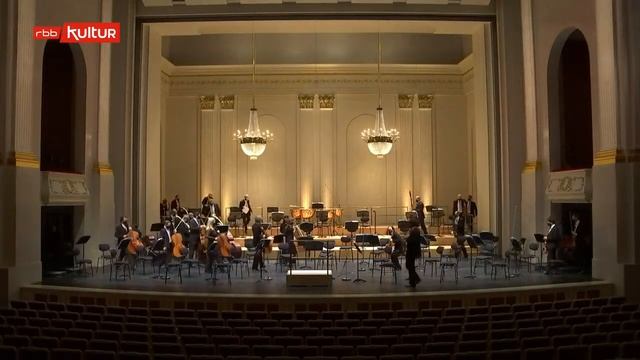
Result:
[[405, 101], [531, 166], [327, 101], [104, 168], [24, 160], [227, 102], [306, 101], [207, 102], [425, 102], [616, 156]]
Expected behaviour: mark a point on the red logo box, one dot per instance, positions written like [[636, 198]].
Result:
[[46, 32]]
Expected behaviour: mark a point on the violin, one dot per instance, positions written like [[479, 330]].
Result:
[[178, 246], [135, 244]]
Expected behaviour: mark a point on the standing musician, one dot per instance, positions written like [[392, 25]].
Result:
[[245, 207], [420, 211], [175, 203], [552, 241], [258, 236], [194, 231], [459, 205], [182, 227], [165, 234], [164, 209], [472, 213], [122, 230], [135, 246], [395, 247], [287, 230], [413, 253]]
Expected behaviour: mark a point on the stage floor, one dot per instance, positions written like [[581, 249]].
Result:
[[252, 286]]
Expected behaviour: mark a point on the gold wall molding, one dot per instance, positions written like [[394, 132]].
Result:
[[405, 101], [24, 160], [207, 102], [616, 156], [104, 168], [425, 102], [327, 101], [227, 102], [531, 166], [306, 102]]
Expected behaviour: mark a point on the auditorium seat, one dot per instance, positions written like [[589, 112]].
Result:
[[505, 355], [69, 354], [33, 353], [100, 355], [603, 351], [302, 351], [542, 353]]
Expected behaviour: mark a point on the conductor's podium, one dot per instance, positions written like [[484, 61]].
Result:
[[309, 278]]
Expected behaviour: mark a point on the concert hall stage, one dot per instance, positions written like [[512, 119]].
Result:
[[249, 293]]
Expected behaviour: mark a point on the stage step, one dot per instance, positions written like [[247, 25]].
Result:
[[309, 278]]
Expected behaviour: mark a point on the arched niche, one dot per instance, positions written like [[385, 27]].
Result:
[[62, 140], [569, 99]]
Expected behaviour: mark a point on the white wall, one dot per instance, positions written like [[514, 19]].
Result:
[[310, 146]]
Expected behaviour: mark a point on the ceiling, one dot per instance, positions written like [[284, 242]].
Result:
[[319, 48], [261, 2]]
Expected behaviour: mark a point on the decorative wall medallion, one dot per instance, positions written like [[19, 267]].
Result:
[[569, 186]]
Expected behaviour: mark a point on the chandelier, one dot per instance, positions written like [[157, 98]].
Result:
[[380, 139], [253, 141]]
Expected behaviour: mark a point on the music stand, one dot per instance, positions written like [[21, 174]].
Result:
[[82, 241], [469, 240], [156, 227], [358, 252], [540, 240], [352, 227], [265, 243]]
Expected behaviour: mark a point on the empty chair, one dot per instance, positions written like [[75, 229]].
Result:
[[233, 349], [287, 340], [33, 353], [572, 352], [66, 354], [436, 356], [629, 349], [534, 342], [372, 350], [105, 345], [302, 351], [268, 350], [199, 349], [364, 331], [253, 340], [126, 355], [320, 340], [474, 335], [504, 344], [335, 331], [414, 338], [99, 355], [505, 355], [405, 349], [350, 323], [592, 338], [264, 323], [134, 346], [544, 353], [564, 340], [603, 351], [473, 355], [276, 331], [440, 347], [583, 329], [16, 341], [188, 339], [445, 337]]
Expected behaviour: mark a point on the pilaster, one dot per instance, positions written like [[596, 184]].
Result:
[[209, 147]]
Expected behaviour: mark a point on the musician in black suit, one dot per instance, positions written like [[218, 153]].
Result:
[[413, 252], [582, 241], [122, 230], [182, 227], [245, 208], [194, 235], [460, 205], [420, 211], [258, 235], [472, 212], [458, 223], [165, 234], [175, 203], [553, 241], [164, 209]]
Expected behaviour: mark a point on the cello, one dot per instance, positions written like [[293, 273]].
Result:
[[178, 246], [135, 244]]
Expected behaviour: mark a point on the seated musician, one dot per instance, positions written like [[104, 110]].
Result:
[[289, 237], [258, 235], [396, 247]]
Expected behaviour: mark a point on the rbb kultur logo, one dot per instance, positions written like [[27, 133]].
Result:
[[46, 32], [80, 33]]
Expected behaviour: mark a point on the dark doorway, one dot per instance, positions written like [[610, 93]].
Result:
[[57, 238], [569, 82], [577, 250], [62, 112]]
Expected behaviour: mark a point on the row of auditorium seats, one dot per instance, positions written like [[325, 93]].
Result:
[[600, 328]]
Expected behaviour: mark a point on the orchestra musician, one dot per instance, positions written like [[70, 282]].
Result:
[[182, 227], [458, 223], [245, 207], [552, 240], [472, 213], [194, 238], [164, 209], [175, 203], [135, 246], [165, 234], [413, 253], [121, 232], [395, 246], [459, 205], [209, 205], [258, 235], [420, 211], [287, 230]]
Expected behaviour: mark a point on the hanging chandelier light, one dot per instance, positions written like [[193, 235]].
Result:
[[253, 141], [380, 139]]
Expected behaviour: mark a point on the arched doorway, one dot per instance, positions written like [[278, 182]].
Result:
[[571, 140], [569, 90], [62, 144]]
